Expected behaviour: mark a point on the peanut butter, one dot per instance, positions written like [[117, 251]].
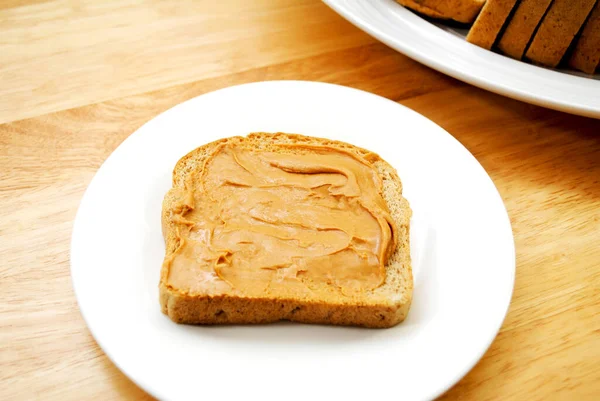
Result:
[[291, 221]]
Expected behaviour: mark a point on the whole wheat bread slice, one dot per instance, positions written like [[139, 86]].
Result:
[[557, 30], [489, 23], [586, 54], [464, 11], [383, 306], [521, 27]]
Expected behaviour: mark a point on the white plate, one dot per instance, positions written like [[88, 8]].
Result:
[[462, 246], [447, 51]]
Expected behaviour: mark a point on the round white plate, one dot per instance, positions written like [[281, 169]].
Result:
[[462, 247], [445, 49]]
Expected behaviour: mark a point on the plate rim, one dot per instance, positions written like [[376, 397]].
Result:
[[148, 387], [441, 64]]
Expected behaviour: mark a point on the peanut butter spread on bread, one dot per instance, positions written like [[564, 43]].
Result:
[[298, 219]]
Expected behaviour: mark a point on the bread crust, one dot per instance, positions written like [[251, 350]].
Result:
[[384, 307]]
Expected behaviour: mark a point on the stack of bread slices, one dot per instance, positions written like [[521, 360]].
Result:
[[544, 32]]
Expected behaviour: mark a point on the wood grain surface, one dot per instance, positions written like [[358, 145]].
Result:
[[78, 77]]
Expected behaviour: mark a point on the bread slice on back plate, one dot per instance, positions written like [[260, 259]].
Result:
[[520, 28], [586, 54], [464, 11], [489, 23], [557, 30], [235, 288]]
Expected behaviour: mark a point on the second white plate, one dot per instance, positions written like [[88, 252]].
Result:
[[462, 249], [448, 52]]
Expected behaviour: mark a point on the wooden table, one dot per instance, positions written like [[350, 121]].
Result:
[[77, 77]]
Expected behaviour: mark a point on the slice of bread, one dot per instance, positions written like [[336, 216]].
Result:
[[557, 30], [464, 11], [586, 54], [521, 27], [381, 306], [489, 23]]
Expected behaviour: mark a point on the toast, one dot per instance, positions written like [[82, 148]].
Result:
[[489, 23], [586, 53], [557, 30], [464, 11], [521, 27], [207, 276]]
